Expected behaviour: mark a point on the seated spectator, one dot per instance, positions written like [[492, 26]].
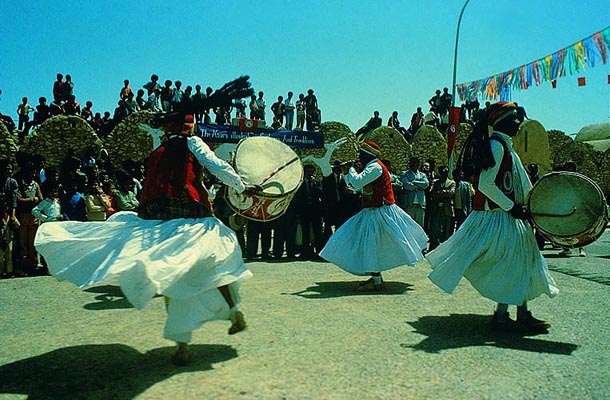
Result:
[[71, 106], [125, 90], [374, 122], [87, 112], [125, 195], [395, 123], [97, 202]]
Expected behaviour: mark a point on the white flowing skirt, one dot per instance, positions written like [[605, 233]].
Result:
[[184, 259], [376, 240], [498, 255]]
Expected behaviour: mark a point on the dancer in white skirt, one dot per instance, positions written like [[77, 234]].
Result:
[[174, 246], [495, 248], [381, 236]]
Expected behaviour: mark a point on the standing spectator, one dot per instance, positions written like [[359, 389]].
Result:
[[73, 204], [532, 172], [253, 105], [333, 187], [198, 104], [446, 100], [23, 112], [462, 201], [28, 196], [285, 234], [277, 109], [311, 105], [8, 218], [49, 209], [309, 211], [440, 207], [300, 107], [125, 90], [258, 232], [261, 104], [186, 104], [87, 112], [58, 89], [68, 87], [417, 120], [177, 94], [412, 196], [436, 102], [167, 94], [153, 84], [207, 119], [289, 111]]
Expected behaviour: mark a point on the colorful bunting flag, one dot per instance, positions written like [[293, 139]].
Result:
[[568, 61]]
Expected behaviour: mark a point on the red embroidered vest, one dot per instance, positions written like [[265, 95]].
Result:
[[172, 171], [504, 181], [379, 192]]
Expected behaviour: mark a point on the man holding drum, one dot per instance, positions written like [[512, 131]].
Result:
[[174, 246], [495, 249]]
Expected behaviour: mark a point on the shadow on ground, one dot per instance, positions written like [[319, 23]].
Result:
[[110, 298], [325, 290], [467, 330], [112, 371]]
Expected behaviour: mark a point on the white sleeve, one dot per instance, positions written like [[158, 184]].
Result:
[[218, 167], [487, 179], [358, 180]]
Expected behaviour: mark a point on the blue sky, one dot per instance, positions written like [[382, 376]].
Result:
[[357, 56]]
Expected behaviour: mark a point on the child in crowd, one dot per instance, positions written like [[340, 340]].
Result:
[[49, 209]]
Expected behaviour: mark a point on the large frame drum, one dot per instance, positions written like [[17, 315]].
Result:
[[568, 208], [271, 164]]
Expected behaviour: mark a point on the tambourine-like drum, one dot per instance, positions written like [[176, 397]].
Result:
[[271, 164], [568, 208]]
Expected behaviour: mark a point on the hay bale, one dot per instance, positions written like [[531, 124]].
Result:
[[429, 144], [127, 141], [8, 143], [57, 135], [532, 145], [393, 145], [340, 143]]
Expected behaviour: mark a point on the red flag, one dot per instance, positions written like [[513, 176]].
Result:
[[554, 83], [582, 81], [247, 125], [608, 79], [453, 130]]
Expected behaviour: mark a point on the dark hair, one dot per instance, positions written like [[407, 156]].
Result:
[[476, 154]]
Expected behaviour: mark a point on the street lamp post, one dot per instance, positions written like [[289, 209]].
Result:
[[457, 37]]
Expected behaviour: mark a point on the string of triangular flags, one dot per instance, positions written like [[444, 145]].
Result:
[[567, 61]]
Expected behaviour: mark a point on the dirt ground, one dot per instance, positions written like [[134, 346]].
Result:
[[311, 335]]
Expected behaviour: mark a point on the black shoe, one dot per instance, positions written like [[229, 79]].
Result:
[[534, 325], [503, 323]]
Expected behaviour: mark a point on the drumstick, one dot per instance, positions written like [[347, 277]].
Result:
[[278, 169], [554, 215]]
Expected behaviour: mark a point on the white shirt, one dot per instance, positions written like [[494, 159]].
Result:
[[47, 210], [371, 171], [218, 167]]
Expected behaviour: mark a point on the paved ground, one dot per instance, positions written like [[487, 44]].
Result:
[[312, 336]]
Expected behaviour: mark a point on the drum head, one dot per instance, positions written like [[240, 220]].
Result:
[[268, 162], [566, 205]]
